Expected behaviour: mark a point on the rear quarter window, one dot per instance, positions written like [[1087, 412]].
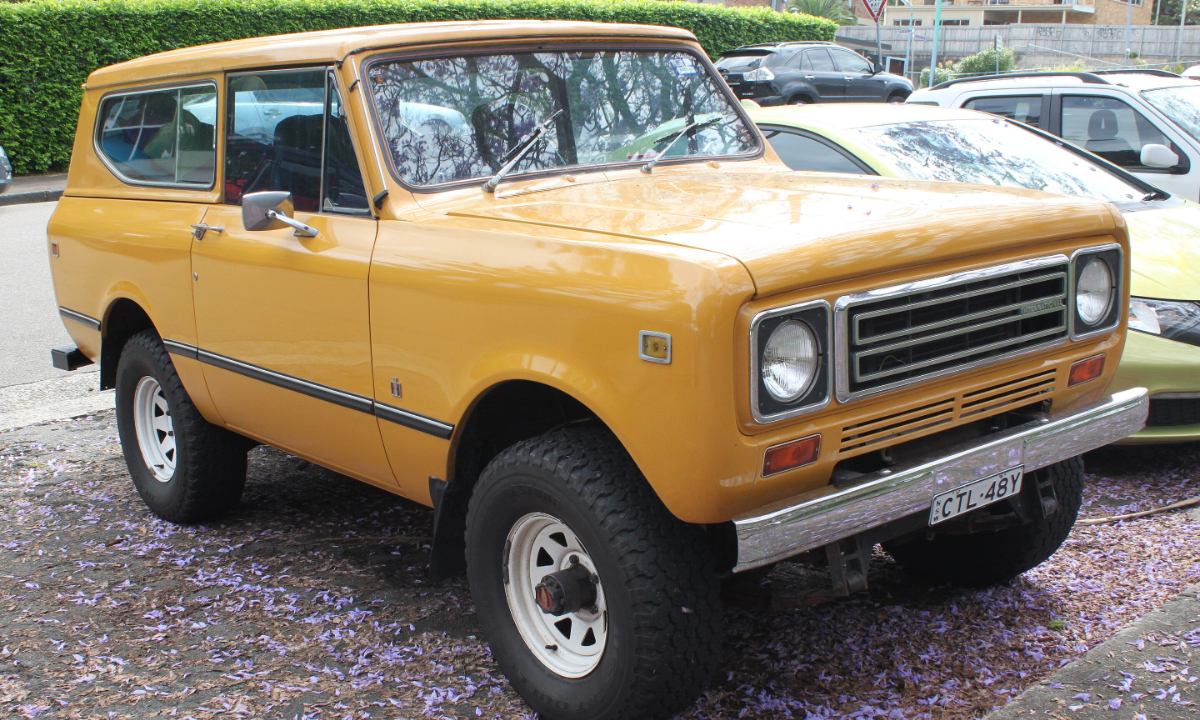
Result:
[[160, 137]]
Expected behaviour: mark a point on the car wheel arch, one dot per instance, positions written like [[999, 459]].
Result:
[[124, 317], [505, 413]]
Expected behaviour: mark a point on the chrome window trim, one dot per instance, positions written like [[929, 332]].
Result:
[[217, 134], [841, 355], [755, 369], [1118, 291], [565, 44]]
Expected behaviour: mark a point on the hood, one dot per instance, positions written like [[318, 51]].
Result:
[[793, 230], [1166, 252]]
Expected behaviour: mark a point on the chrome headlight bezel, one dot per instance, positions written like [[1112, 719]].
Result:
[[1114, 257], [816, 316]]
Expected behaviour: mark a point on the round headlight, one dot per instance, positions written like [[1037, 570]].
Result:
[[1093, 291], [789, 361]]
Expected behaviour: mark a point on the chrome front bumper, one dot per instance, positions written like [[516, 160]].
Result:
[[795, 525]]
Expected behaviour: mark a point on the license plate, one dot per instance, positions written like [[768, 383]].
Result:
[[966, 498]]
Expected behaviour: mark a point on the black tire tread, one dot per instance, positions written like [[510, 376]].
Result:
[[666, 562], [991, 558], [212, 465]]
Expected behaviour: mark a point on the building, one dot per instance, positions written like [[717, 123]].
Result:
[[1006, 12]]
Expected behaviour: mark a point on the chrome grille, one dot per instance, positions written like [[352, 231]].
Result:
[[899, 336]]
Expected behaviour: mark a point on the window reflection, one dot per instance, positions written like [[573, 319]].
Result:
[[993, 152], [456, 118]]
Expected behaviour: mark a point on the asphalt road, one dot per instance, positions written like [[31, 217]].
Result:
[[28, 314]]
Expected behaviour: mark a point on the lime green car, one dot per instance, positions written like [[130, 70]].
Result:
[[931, 143]]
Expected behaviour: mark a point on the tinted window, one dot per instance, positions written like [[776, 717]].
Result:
[[1109, 128], [851, 62], [801, 152], [148, 138], [343, 182], [820, 60], [801, 61], [1026, 109], [275, 135]]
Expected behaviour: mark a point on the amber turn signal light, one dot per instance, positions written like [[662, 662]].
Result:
[[791, 455], [1085, 370]]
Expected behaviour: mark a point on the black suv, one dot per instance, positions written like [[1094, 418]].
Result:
[[808, 72]]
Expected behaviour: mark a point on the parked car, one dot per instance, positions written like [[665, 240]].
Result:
[[796, 73], [912, 141], [5, 172], [1145, 121], [1192, 73], [615, 379]]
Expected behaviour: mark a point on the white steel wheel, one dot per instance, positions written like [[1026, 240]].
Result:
[[155, 430], [570, 644]]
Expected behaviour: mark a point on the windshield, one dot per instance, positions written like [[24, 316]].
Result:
[[994, 152], [1181, 104], [454, 119]]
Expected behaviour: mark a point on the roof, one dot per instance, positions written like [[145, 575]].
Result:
[[836, 117], [327, 46], [1140, 80]]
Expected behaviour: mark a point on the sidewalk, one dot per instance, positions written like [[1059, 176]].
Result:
[[34, 188], [1148, 670]]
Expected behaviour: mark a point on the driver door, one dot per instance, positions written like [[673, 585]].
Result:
[[282, 320]]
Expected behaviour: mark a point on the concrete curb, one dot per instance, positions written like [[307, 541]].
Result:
[[64, 410], [1091, 687], [37, 196]]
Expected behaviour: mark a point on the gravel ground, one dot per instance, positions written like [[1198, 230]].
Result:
[[310, 601]]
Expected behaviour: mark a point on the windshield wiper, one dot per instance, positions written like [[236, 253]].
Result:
[[1156, 195], [519, 151], [688, 129]]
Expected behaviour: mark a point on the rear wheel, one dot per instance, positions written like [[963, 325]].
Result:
[[800, 100], [993, 557], [596, 601], [184, 468], [897, 98]]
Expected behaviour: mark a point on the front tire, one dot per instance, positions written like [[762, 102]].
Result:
[[649, 637], [185, 469], [994, 557]]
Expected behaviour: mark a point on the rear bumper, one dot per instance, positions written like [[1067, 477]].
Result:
[[809, 521]]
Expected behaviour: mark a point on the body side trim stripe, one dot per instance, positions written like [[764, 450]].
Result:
[[288, 382], [80, 318], [182, 349], [412, 420], [353, 401]]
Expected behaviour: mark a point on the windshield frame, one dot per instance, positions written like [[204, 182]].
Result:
[[608, 43], [1110, 168]]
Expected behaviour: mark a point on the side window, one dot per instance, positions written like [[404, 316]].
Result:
[[1026, 109], [851, 62], [343, 188], [274, 137], [801, 152], [163, 137], [1110, 128], [820, 60], [800, 61]]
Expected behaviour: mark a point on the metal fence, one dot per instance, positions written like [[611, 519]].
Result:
[[1036, 46]]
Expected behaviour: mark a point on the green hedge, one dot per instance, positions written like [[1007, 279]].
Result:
[[48, 47]]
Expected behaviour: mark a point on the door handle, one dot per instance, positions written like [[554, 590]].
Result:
[[810, 77], [199, 230]]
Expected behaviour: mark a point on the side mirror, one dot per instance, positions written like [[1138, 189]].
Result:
[[876, 68], [1158, 156], [272, 210]]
